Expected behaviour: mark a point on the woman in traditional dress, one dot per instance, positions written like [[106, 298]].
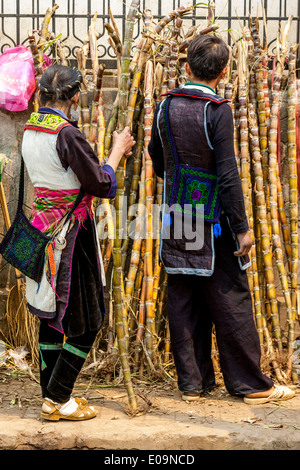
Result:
[[69, 300]]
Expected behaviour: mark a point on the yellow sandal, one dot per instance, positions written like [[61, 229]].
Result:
[[52, 411], [280, 393]]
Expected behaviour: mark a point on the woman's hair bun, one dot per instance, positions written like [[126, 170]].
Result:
[[59, 83]]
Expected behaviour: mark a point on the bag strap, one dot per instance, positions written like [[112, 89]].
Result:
[[21, 187], [68, 214], [65, 217], [168, 130]]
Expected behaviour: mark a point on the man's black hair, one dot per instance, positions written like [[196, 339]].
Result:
[[59, 83], [207, 56]]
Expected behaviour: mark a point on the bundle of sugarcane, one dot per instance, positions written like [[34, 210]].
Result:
[[268, 219], [139, 281]]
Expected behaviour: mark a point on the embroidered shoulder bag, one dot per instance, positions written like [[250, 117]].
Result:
[[194, 189], [24, 246]]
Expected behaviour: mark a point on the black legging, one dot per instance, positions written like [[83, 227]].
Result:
[[61, 362]]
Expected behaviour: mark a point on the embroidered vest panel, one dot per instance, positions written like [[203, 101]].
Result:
[[40, 155], [187, 120], [194, 189], [187, 117]]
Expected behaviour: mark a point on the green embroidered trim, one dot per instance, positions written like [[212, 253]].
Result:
[[48, 347], [46, 121], [73, 350]]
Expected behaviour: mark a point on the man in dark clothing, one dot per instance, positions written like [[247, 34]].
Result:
[[192, 149]]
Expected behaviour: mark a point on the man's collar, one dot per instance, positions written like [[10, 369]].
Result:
[[200, 86]]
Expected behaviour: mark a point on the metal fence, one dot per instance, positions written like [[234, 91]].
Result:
[[72, 19]]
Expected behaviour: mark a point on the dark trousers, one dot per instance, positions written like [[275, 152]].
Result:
[[61, 362], [195, 303]]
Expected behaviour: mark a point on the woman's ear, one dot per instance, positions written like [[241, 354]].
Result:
[[39, 96], [75, 100]]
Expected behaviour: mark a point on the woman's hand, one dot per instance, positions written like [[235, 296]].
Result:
[[123, 141], [122, 145]]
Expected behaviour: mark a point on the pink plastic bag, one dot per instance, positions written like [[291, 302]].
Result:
[[17, 78]]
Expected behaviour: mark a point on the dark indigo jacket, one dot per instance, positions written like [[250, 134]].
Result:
[[202, 126]]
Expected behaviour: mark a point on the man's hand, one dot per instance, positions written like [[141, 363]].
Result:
[[245, 243]]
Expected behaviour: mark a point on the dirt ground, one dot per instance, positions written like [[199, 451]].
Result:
[[216, 421]]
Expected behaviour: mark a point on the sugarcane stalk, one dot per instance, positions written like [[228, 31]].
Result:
[[182, 78], [93, 36], [135, 299], [161, 301], [141, 323], [136, 178], [138, 239], [95, 108], [133, 94], [167, 348], [142, 44], [134, 306], [243, 126], [115, 26], [157, 264], [245, 162], [84, 98], [262, 108], [211, 13], [111, 127], [251, 64], [99, 114], [148, 120], [158, 77], [109, 241], [138, 71], [38, 68], [262, 228], [273, 186], [174, 49], [115, 38], [210, 29], [244, 148], [120, 174], [293, 179], [132, 100], [230, 94], [45, 27], [165, 76], [279, 61]]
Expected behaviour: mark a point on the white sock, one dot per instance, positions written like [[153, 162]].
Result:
[[67, 408]]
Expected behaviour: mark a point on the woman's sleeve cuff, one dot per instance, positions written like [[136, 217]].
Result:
[[113, 186]]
